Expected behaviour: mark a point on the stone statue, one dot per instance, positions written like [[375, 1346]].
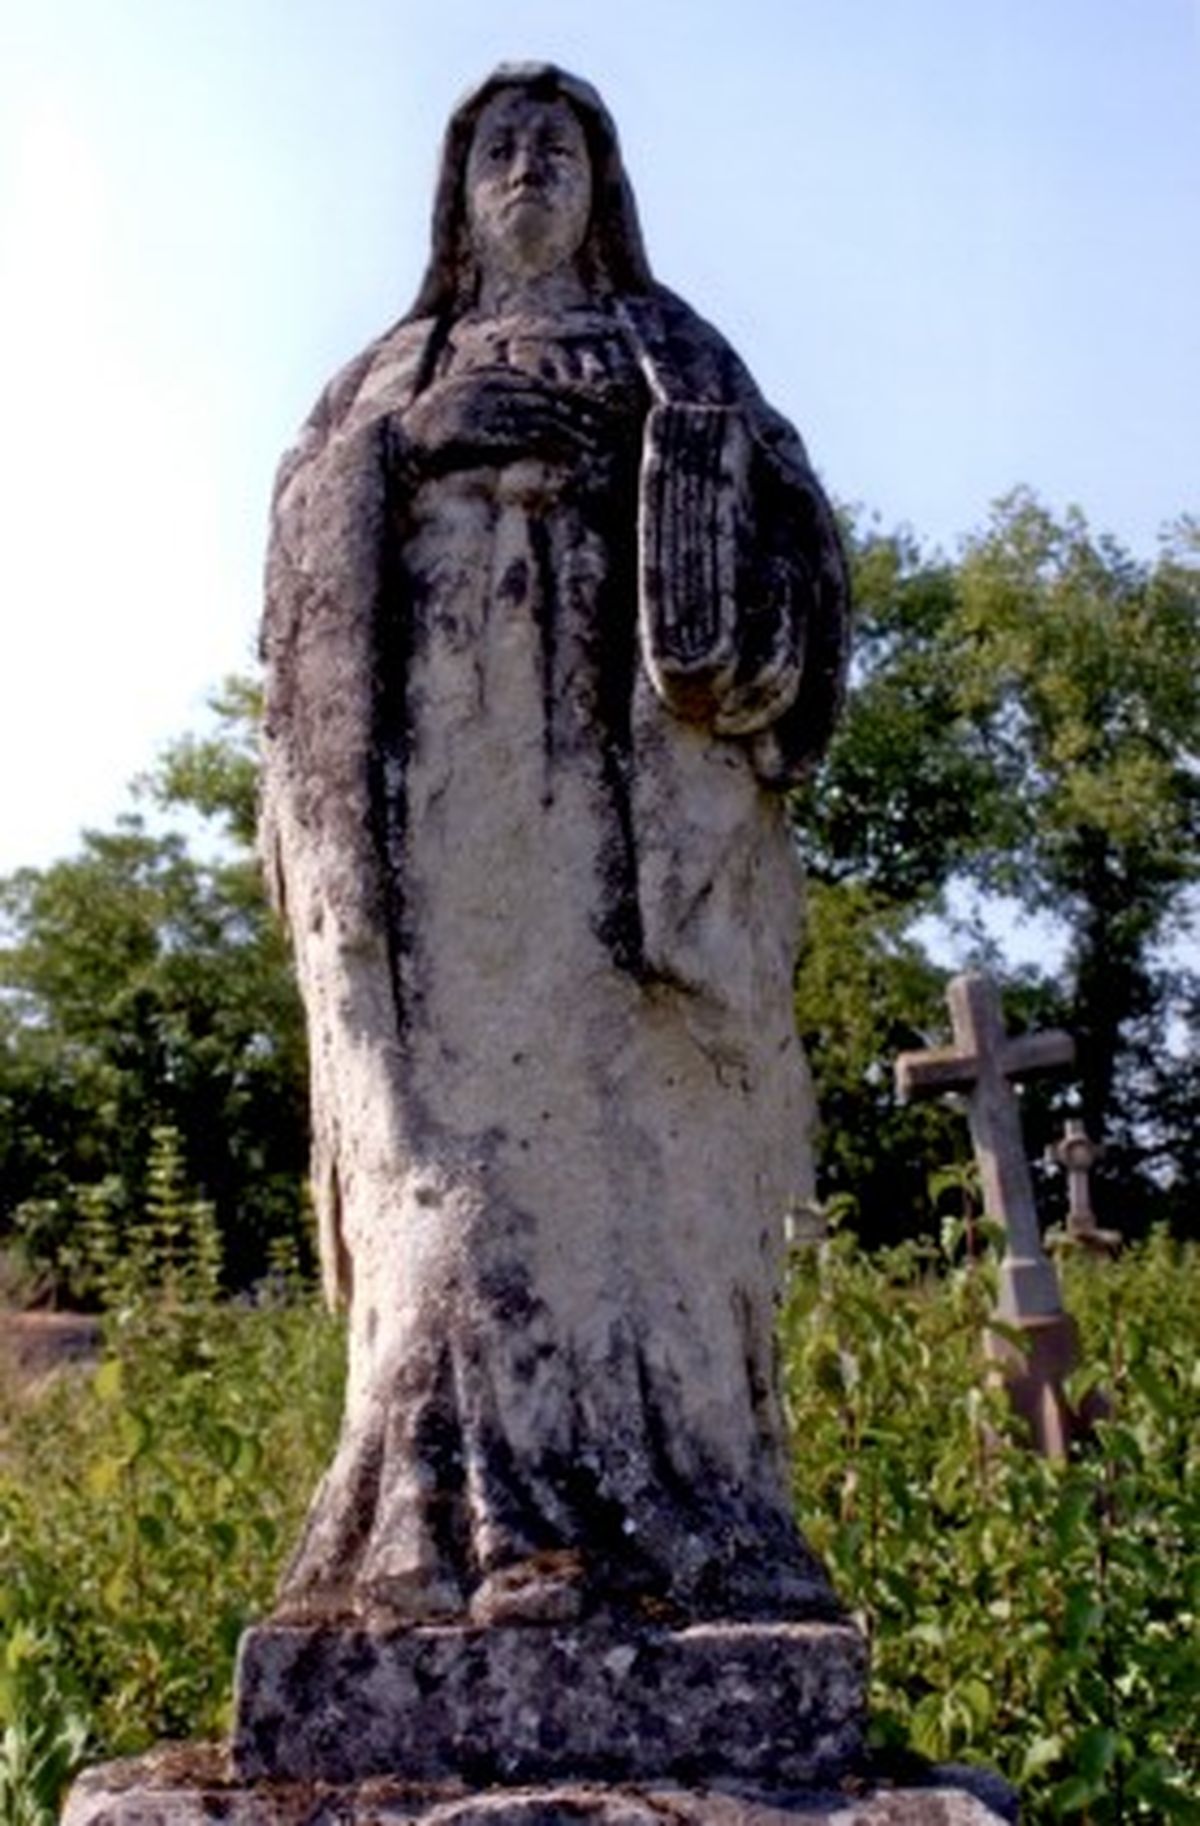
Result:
[[556, 608]]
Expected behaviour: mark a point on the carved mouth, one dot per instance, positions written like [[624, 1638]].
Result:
[[534, 194]]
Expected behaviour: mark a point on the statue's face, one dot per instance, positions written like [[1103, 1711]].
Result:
[[529, 184]]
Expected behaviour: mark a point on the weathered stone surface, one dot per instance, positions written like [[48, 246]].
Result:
[[194, 1788], [556, 605], [780, 1703]]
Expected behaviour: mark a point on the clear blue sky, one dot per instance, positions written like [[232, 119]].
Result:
[[956, 241]]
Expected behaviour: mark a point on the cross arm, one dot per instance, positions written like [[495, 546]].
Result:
[[929, 1073], [1031, 1053]]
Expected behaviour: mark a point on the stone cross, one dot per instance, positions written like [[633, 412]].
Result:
[[985, 1063], [1078, 1154]]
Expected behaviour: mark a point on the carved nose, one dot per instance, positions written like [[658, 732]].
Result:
[[529, 166]]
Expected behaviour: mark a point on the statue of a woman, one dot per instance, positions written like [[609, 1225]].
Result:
[[556, 606]]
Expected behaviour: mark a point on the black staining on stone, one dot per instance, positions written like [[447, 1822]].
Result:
[[617, 1505], [619, 924], [338, 1527], [504, 1292], [392, 744], [665, 1476], [758, 1374], [820, 583], [427, 1675], [332, 1188], [546, 614], [514, 585], [429, 1435], [513, 1523], [552, 1735]]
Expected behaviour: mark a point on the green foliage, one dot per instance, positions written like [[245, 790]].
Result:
[[1022, 723], [904, 795], [864, 992], [43, 1729], [170, 1251], [1040, 1617], [217, 775], [1081, 672], [144, 986], [145, 1508]]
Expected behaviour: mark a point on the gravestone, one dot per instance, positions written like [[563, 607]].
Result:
[[556, 609], [1077, 1154], [985, 1065]]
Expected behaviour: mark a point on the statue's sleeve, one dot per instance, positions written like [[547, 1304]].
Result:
[[744, 601], [796, 580], [327, 569], [326, 565]]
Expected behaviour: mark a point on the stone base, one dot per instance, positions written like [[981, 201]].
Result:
[[777, 1705], [191, 1786], [1036, 1378]]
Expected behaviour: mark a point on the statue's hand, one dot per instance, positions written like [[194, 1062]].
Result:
[[497, 418]]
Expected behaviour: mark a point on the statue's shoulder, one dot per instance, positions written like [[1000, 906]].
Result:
[[696, 362], [379, 380]]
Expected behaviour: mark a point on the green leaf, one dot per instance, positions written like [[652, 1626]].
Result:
[[1094, 1752], [103, 1476], [152, 1530], [1083, 1616], [1039, 1755], [223, 1536], [109, 1380], [1075, 1503], [1073, 1795]]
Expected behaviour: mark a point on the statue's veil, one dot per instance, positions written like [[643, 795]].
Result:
[[613, 255]]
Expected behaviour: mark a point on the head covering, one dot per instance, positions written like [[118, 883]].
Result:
[[613, 254]]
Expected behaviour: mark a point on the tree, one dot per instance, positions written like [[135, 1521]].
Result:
[[1022, 723], [1081, 671], [866, 991], [142, 987]]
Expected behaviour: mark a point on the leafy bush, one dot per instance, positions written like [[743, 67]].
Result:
[[1040, 1618], [145, 1506]]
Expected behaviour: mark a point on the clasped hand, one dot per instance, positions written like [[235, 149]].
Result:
[[500, 417]]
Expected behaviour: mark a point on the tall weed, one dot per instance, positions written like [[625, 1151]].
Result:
[[1041, 1617], [145, 1504]]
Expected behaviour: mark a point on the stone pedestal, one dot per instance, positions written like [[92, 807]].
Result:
[[778, 1705], [192, 1786], [609, 1723]]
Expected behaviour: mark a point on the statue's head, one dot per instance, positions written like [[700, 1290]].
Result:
[[531, 175], [528, 184]]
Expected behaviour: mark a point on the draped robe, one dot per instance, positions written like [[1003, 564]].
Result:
[[544, 906]]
